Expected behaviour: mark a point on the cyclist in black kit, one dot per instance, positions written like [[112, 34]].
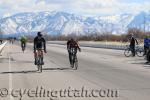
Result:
[[72, 44], [39, 43]]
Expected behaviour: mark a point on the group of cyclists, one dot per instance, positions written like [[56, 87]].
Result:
[[40, 44]]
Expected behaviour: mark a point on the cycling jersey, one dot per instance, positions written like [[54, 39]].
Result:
[[146, 42], [23, 39], [72, 44], [39, 43]]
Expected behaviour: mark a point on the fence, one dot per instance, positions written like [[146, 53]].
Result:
[[106, 45], [2, 46]]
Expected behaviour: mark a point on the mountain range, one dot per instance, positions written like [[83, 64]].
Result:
[[62, 23]]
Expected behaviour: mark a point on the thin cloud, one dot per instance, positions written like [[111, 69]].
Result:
[[83, 7]]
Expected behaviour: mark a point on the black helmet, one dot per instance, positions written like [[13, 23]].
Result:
[[39, 34], [71, 39]]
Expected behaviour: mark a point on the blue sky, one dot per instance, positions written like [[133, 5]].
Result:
[[80, 7]]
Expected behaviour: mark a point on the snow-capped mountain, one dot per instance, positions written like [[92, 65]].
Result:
[[141, 21], [65, 23]]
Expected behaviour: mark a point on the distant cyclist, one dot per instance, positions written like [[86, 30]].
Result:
[[23, 41], [39, 44], [72, 44], [133, 40]]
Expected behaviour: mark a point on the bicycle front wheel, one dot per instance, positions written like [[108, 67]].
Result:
[[127, 52], [40, 68], [140, 53], [40, 64]]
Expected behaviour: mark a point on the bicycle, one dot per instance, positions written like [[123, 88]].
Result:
[[73, 58], [39, 59], [138, 51]]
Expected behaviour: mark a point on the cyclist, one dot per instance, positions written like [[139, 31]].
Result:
[[146, 45], [72, 44], [133, 40], [39, 43], [23, 41]]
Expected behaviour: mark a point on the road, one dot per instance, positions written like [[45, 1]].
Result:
[[103, 74]]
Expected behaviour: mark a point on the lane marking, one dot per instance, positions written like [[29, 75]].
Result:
[[10, 75]]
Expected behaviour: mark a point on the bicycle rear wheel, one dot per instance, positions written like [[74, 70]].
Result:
[[23, 48], [127, 52], [72, 61], [76, 64]]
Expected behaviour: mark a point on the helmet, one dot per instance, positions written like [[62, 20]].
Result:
[[72, 39], [39, 34]]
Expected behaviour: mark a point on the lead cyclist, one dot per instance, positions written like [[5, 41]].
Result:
[[39, 43]]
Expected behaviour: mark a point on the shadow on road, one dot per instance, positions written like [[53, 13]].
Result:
[[34, 71], [57, 68], [141, 63], [19, 72]]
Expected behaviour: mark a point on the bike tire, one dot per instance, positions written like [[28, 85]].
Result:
[[75, 63], [40, 63], [40, 68], [23, 49], [140, 53], [127, 52], [72, 61]]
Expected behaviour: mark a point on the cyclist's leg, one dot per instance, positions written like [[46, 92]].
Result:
[[24, 45], [35, 57], [21, 45], [42, 57], [133, 50], [69, 57], [148, 55], [76, 57]]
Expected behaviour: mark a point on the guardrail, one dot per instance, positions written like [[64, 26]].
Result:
[[2, 46], [105, 46]]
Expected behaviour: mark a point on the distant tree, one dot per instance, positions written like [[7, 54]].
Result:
[[137, 33]]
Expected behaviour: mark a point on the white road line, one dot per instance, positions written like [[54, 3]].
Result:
[[10, 75]]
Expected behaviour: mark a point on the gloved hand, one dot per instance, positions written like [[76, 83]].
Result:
[[45, 51], [79, 49]]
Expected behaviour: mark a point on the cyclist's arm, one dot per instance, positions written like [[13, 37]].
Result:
[[136, 41], [78, 46], [44, 43], [34, 45]]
